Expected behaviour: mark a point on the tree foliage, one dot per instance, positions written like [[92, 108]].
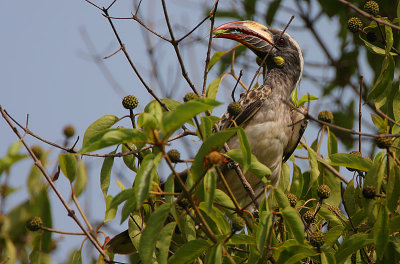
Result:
[[315, 215]]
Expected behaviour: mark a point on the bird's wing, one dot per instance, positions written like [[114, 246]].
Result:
[[300, 125], [251, 102]]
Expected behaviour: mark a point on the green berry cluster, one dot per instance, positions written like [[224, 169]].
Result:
[[37, 150], [309, 216], [292, 199], [190, 96], [130, 102], [371, 7], [323, 191], [384, 142], [174, 155], [369, 192], [234, 108], [317, 239], [237, 223], [325, 116], [354, 24], [34, 223], [69, 131]]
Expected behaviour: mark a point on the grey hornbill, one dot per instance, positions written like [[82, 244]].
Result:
[[267, 118]]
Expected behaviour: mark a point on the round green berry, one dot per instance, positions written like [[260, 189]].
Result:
[[309, 216], [34, 223], [130, 102], [237, 223], [190, 96], [184, 202], [371, 36], [323, 191], [174, 155], [292, 199], [369, 192], [234, 108], [317, 239], [384, 142], [371, 7], [325, 116], [354, 24], [69, 131], [334, 209]]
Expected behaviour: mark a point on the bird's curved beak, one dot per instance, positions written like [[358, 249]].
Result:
[[253, 35]]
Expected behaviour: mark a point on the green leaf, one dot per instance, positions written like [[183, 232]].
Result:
[[375, 175], [332, 143], [389, 38], [214, 255], [263, 230], [173, 120], [215, 58], [293, 220], [306, 98], [152, 231], [170, 103], [105, 173], [392, 189], [382, 85], [101, 124], [111, 137], [164, 242], [189, 251], [380, 123], [314, 171], [256, 167], [297, 181], [215, 141], [245, 147], [241, 239], [206, 126], [350, 196], [291, 252], [349, 160], [351, 245], [281, 198], [212, 89], [144, 177], [77, 257], [375, 49], [332, 235], [81, 179], [129, 160], [68, 165], [110, 211], [217, 217], [381, 231], [210, 182], [121, 197]]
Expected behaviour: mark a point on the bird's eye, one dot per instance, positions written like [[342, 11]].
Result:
[[281, 42]]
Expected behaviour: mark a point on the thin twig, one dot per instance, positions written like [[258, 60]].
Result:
[[360, 113], [39, 165], [149, 90], [212, 18], [177, 52]]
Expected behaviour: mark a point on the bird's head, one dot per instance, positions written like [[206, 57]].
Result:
[[286, 55]]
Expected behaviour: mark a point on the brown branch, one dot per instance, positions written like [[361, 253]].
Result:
[[39, 165], [177, 52], [149, 90], [212, 18]]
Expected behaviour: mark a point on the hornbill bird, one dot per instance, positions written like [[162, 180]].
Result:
[[273, 127]]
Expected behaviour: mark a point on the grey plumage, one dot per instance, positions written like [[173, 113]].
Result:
[[266, 117]]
